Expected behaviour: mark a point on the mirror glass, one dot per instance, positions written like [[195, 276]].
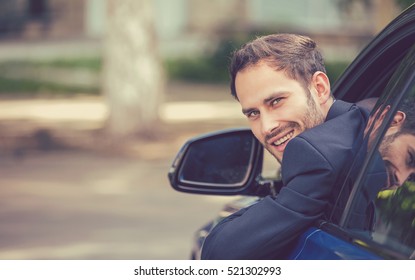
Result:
[[221, 162]]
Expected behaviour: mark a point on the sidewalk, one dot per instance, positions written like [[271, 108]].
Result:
[[94, 110], [189, 110]]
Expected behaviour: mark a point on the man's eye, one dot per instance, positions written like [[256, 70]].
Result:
[[276, 101], [252, 114]]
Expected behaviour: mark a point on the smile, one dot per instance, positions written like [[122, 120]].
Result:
[[284, 139]]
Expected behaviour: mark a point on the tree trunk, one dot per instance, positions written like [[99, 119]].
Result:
[[132, 72]]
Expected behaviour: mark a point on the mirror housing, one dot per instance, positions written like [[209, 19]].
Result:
[[226, 162]]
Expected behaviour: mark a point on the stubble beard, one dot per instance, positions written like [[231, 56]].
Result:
[[312, 117]]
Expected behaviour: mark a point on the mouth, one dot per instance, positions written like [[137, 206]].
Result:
[[282, 140]]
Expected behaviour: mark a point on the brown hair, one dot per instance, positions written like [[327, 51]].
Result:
[[407, 107], [297, 55]]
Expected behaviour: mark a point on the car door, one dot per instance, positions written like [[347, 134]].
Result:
[[378, 218]]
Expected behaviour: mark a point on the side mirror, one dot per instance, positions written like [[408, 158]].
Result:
[[225, 163]]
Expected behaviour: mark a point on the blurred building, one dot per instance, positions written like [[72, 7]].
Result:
[[40, 19], [189, 26]]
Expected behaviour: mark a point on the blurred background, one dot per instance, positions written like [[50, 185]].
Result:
[[97, 96]]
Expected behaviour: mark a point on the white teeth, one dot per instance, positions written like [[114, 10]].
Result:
[[283, 139]]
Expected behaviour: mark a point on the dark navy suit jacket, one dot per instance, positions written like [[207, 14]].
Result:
[[312, 164]]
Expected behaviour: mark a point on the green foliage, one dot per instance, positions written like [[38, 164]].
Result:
[[346, 4], [335, 69], [90, 63], [33, 87], [398, 209], [209, 68], [12, 84], [198, 69], [404, 3], [213, 68]]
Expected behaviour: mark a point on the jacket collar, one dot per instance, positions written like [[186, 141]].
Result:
[[339, 107]]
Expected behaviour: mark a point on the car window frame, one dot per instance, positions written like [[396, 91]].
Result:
[[375, 61], [402, 29], [394, 100]]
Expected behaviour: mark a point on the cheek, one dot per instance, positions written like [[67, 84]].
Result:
[[397, 157], [296, 109], [256, 130]]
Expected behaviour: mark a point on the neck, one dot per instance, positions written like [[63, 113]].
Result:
[[327, 105]]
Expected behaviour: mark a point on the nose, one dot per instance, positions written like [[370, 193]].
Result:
[[402, 176], [268, 123]]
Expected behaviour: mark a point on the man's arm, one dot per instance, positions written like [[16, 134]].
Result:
[[263, 230]]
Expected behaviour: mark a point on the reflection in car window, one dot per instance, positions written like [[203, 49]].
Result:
[[395, 224], [384, 206], [395, 203]]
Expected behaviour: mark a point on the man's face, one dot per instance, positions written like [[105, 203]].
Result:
[[278, 108], [398, 153]]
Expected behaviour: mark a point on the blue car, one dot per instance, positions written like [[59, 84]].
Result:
[[231, 162]]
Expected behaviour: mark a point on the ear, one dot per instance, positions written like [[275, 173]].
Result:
[[398, 119], [321, 84], [375, 120], [397, 122]]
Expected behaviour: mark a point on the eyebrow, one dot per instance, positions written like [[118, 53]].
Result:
[[265, 101]]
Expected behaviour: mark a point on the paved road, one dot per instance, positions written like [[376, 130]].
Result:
[[77, 205]]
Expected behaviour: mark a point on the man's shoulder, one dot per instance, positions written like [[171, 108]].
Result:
[[344, 120], [340, 108], [335, 139]]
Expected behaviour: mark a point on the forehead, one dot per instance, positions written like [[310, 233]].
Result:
[[258, 79]]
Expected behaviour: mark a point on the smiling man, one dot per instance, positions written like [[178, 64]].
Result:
[[279, 108], [281, 84]]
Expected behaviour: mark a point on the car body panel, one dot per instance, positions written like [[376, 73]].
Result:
[[316, 244]]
